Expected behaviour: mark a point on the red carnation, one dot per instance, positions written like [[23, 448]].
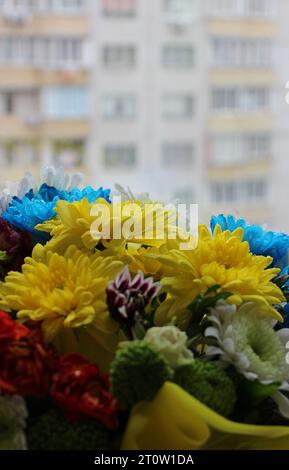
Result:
[[79, 389], [10, 330], [15, 245], [26, 366]]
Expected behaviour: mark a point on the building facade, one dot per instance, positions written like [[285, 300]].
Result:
[[241, 124], [184, 99], [44, 95]]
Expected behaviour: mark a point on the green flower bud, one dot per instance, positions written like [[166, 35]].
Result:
[[137, 373], [209, 384], [52, 431]]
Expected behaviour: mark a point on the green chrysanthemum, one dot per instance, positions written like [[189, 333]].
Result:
[[137, 373], [262, 347], [52, 431], [209, 384]]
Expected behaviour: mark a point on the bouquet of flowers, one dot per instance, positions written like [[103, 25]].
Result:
[[121, 339]]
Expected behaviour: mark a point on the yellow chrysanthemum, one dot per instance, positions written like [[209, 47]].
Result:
[[220, 259], [64, 292], [75, 224], [71, 226], [139, 261]]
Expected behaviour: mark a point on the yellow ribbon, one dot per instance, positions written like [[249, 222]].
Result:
[[176, 420]]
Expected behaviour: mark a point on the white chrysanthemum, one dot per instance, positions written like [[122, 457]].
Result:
[[51, 176], [171, 343], [18, 189], [59, 179], [13, 414], [128, 195], [246, 339]]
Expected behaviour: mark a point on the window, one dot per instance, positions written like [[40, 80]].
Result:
[[8, 103], [16, 10], [177, 106], [259, 7], [22, 103], [257, 146], [224, 7], [182, 11], [120, 156], [241, 52], [12, 50], [226, 150], [252, 190], [65, 102], [256, 98], [255, 189], [119, 8], [119, 56], [240, 99], [119, 106], [61, 6], [177, 155], [21, 8], [42, 52], [243, 8], [225, 192], [178, 56], [231, 192], [225, 100], [59, 52], [231, 149]]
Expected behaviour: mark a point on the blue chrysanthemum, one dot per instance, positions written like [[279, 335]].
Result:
[[37, 207], [261, 242], [89, 193]]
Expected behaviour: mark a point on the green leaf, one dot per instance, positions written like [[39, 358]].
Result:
[[200, 307], [258, 391], [3, 256], [139, 331], [214, 288]]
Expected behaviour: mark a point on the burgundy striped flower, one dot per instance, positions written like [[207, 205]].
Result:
[[127, 298]]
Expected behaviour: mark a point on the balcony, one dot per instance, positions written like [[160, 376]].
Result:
[[241, 122], [13, 127], [65, 129], [46, 25], [31, 78], [242, 27]]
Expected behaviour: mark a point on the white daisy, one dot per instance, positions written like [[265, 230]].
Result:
[[247, 340]]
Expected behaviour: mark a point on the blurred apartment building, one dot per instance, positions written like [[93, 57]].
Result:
[[181, 98], [43, 84]]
